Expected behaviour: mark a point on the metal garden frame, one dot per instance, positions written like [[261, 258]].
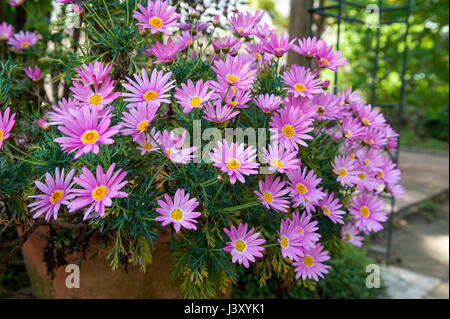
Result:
[[335, 11]]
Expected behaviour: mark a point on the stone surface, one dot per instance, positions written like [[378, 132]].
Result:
[[423, 176], [406, 284]]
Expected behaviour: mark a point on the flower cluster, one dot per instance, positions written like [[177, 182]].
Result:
[[325, 160]]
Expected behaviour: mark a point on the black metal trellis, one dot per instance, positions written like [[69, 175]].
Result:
[[336, 11]]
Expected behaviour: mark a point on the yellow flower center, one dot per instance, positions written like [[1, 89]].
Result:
[[308, 261], [233, 103], [239, 30], [366, 162], [232, 78], [342, 172], [95, 99], [320, 110], [155, 22], [99, 192], [1, 135], [300, 230], [56, 196], [3, 36], [299, 87], [352, 156], [284, 242], [257, 56], [169, 153], [150, 95], [143, 125], [25, 44], [364, 211], [326, 210], [348, 134], [324, 62], [301, 189], [380, 173], [147, 146], [268, 197], [233, 164], [348, 236], [366, 121], [362, 176], [90, 137], [288, 131], [277, 163], [195, 101], [176, 214], [240, 245]]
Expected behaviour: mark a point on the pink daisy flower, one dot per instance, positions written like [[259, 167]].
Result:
[[96, 98], [331, 208], [307, 230], [179, 211], [57, 191], [349, 233], [238, 100], [227, 44], [272, 194], [6, 124], [16, 3], [278, 46], [368, 116], [368, 212], [23, 40], [149, 142], [289, 127], [311, 266], [233, 72], [243, 24], [61, 110], [262, 31], [301, 82], [172, 147], [98, 191], [326, 58], [235, 160], [148, 92], [344, 167], [34, 74], [158, 16], [307, 47], [6, 31], [280, 159], [366, 179], [217, 113], [290, 240], [136, 121], [351, 129], [185, 40], [268, 102], [85, 133], [327, 107], [93, 74], [192, 96], [373, 138], [244, 246], [304, 189], [164, 53]]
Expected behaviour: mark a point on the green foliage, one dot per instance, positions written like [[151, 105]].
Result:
[[347, 277]]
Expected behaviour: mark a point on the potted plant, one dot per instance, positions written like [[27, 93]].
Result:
[[178, 154]]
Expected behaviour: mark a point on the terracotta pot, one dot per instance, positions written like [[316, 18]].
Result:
[[97, 280]]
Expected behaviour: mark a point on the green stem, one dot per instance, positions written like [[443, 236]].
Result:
[[243, 206]]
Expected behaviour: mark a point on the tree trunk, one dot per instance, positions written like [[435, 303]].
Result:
[[299, 21]]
